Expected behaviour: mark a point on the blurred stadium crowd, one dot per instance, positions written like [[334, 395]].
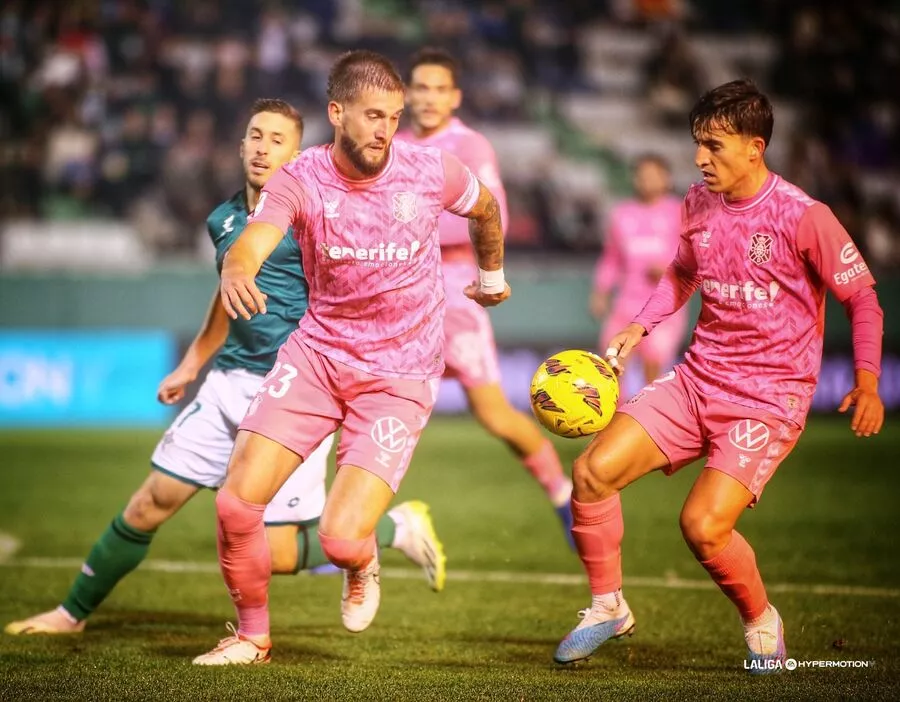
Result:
[[133, 109]]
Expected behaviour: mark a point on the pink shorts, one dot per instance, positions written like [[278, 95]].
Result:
[[307, 396], [747, 444], [661, 346], [470, 353]]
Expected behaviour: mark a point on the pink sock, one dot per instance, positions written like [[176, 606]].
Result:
[[349, 554], [734, 571], [598, 530], [546, 468], [245, 561]]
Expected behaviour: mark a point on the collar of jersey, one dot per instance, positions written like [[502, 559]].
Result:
[[360, 181], [749, 203]]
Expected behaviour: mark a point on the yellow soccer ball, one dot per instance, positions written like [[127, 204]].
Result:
[[574, 393]]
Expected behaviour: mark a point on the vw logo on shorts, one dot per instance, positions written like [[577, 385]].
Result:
[[749, 436], [390, 434]]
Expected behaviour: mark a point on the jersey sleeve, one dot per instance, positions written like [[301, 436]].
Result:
[[831, 253], [461, 187], [280, 202]]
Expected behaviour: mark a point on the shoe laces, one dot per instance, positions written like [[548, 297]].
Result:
[[357, 580], [228, 640]]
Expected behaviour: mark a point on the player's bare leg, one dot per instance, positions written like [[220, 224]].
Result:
[[258, 468], [355, 503], [117, 552], [708, 518], [285, 550], [618, 455], [493, 411]]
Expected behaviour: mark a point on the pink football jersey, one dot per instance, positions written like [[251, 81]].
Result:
[[762, 265], [371, 254], [640, 238], [476, 152]]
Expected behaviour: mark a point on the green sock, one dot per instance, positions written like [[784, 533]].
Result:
[[116, 553], [309, 549], [385, 531]]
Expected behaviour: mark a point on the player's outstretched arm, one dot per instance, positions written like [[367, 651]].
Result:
[[831, 253], [240, 296], [486, 233], [209, 339], [867, 325]]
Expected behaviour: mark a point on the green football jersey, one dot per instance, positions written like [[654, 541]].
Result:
[[253, 344]]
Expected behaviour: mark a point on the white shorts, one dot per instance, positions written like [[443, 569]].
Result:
[[197, 447]]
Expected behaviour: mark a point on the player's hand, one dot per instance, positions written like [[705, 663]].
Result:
[[621, 344], [240, 296], [473, 292], [173, 386], [868, 417]]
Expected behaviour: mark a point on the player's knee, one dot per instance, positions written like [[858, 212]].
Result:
[[147, 510], [592, 477], [236, 516], [705, 532], [350, 554]]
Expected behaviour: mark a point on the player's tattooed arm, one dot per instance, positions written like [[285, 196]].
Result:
[[486, 233], [486, 230]]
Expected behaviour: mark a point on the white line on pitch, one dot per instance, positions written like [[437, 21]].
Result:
[[498, 576]]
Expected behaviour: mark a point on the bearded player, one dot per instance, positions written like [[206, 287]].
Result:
[[366, 357], [193, 453]]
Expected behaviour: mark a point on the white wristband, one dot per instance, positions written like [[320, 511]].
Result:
[[491, 282]]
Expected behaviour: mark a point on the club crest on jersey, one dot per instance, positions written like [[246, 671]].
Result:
[[331, 209], [760, 250], [404, 207]]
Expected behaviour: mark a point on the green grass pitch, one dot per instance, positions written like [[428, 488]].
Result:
[[828, 523]]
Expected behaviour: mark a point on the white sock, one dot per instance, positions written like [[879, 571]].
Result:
[[763, 621], [69, 617], [562, 494], [610, 601]]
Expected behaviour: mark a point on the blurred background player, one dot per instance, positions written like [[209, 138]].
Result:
[[366, 357], [763, 253], [470, 352], [641, 240], [194, 452]]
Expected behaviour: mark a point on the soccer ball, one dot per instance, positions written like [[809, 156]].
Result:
[[574, 393]]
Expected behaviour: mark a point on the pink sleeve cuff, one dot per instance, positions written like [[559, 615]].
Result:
[[867, 327]]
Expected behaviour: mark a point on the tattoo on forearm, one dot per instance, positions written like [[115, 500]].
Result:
[[486, 231]]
